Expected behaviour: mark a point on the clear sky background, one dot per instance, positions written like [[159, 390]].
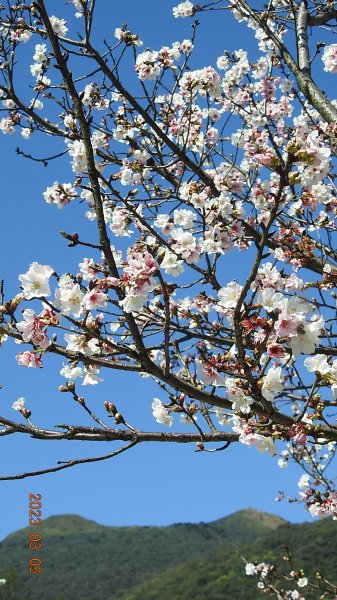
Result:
[[151, 484]]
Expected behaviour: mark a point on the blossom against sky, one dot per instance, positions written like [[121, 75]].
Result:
[[37, 243]]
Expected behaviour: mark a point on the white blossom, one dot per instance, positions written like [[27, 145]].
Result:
[[317, 363], [160, 413], [19, 403], [229, 295], [329, 58], [35, 282], [184, 9], [272, 383], [58, 25]]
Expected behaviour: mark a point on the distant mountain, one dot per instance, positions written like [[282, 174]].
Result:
[[82, 560]]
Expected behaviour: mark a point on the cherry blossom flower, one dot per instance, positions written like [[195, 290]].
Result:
[[35, 282], [71, 372], [59, 194], [79, 7], [58, 25], [33, 329], [40, 53], [19, 404], [160, 413], [88, 270], [240, 401], [266, 158], [303, 481], [250, 569], [249, 437], [329, 58], [94, 299], [307, 337], [275, 350], [184, 9], [138, 281], [229, 295], [270, 300], [297, 432], [29, 359], [79, 343], [272, 383], [286, 325], [126, 36], [171, 264], [91, 376], [317, 363], [69, 296], [146, 65], [76, 150], [7, 126], [210, 375]]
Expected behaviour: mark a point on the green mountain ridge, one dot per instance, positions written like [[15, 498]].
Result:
[[82, 560]]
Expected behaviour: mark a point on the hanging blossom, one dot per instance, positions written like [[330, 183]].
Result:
[[33, 329], [249, 437], [35, 283], [91, 375], [160, 413], [71, 372]]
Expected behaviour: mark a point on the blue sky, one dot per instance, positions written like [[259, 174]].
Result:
[[153, 484]]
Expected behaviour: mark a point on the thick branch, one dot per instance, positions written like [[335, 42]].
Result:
[[302, 38], [322, 17], [97, 434]]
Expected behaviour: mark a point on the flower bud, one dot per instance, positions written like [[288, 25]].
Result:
[[118, 418], [25, 413]]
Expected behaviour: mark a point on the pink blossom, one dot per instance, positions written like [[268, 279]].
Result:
[[297, 433], [265, 158], [275, 350], [33, 329], [29, 359], [286, 325], [94, 299]]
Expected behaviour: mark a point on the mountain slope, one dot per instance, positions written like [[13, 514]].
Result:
[[87, 561]]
